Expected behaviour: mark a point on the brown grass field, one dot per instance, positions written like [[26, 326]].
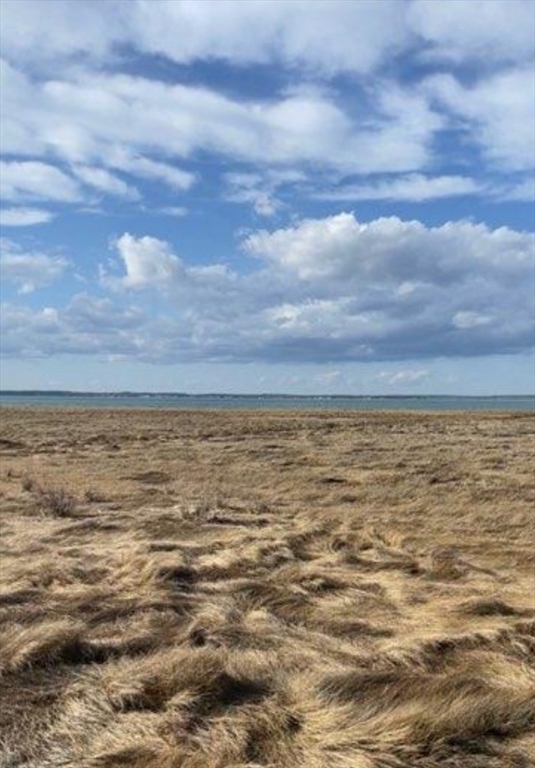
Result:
[[290, 590]]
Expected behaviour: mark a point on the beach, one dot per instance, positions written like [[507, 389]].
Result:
[[214, 589]]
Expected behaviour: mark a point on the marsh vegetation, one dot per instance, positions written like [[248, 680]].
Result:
[[236, 590]]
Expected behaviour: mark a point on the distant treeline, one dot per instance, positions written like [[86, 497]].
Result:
[[126, 393]]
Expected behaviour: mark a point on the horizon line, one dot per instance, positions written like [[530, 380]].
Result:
[[164, 393]]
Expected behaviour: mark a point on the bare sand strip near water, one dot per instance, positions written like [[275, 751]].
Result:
[[231, 590]]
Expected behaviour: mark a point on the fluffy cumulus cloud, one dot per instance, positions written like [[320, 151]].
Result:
[[339, 289], [389, 250], [147, 261], [394, 289], [331, 290]]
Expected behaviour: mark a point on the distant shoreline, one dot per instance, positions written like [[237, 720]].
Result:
[[263, 402], [129, 393]]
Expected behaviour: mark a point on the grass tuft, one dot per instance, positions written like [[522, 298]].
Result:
[[55, 501]]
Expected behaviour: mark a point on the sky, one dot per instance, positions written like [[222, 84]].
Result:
[[268, 196]]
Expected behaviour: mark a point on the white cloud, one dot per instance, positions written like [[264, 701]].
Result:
[[499, 30], [103, 180], [389, 249], [255, 190], [86, 128], [75, 120], [309, 317], [413, 187], [290, 33], [24, 217], [470, 319], [293, 33], [496, 113], [328, 377], [29, 270], [261, 188], [100, 315], [65, 29], [520, 191], [360, 35], [101, 121], [174, 177], [86, 325], [147, 261], [141, 126], [331, 290], [116, 120], [263, 203], [23, 181], [328, 290], [407, 376], [174, 210]]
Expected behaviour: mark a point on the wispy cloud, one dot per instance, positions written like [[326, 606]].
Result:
[[24, 217], [406, 376], [413, 187]]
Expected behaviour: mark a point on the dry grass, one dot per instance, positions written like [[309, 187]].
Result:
[[219, 590]]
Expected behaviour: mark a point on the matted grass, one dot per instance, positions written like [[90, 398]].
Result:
[[232, 590]]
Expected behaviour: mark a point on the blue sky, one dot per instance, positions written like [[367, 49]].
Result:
[[252, 196]]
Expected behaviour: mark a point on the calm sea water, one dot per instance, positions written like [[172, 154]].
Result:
[[266, 402]]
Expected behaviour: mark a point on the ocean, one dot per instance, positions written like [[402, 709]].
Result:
[[266, 402]]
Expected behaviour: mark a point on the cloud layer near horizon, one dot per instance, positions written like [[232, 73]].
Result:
[[331, 290]]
